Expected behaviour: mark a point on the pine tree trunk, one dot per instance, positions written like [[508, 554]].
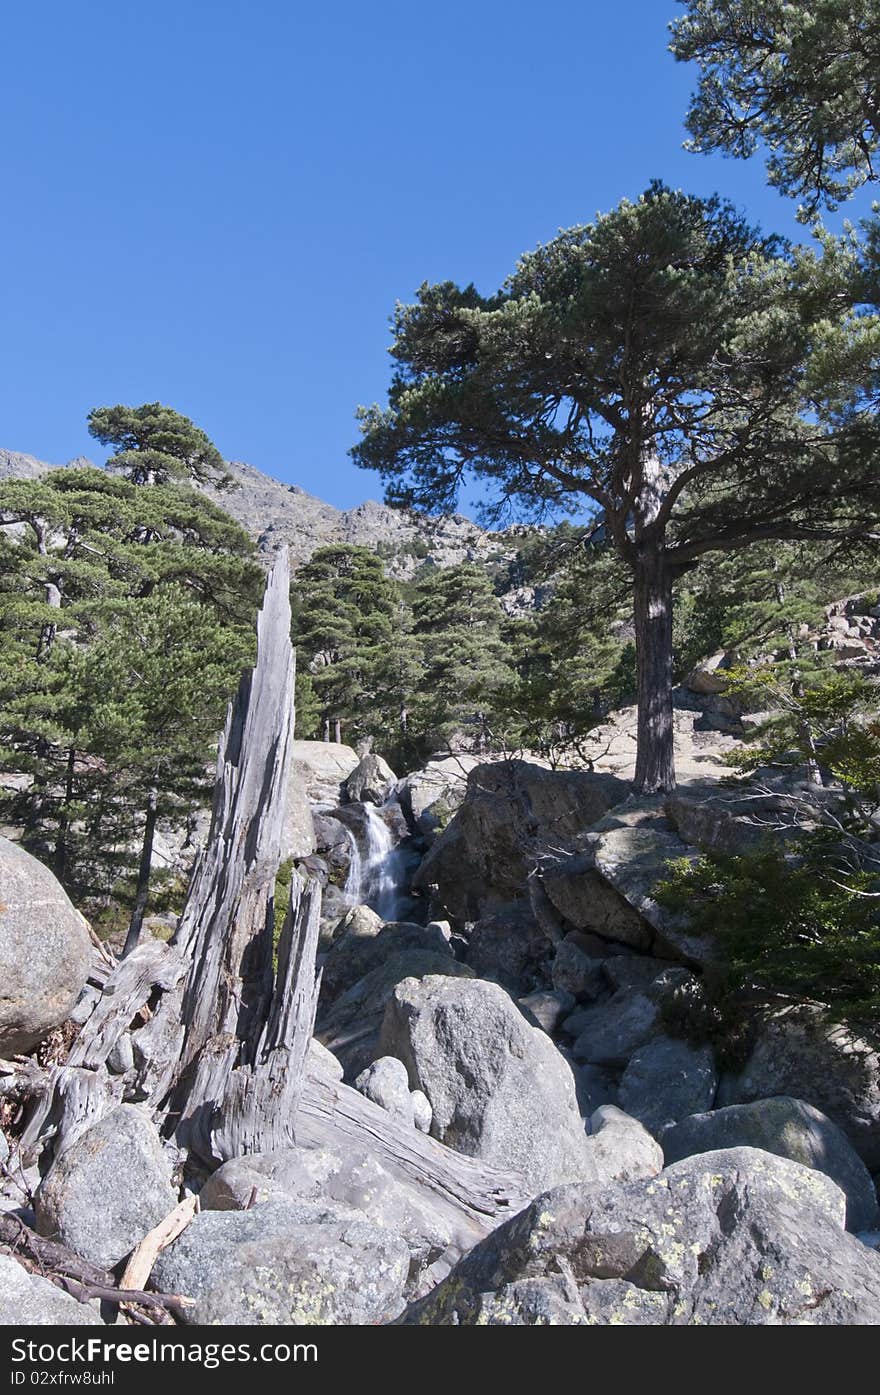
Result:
[[143, 882], [655, 755]]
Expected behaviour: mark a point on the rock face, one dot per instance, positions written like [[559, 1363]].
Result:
[[668, 1079], [498, 1088], [107, 1189], [483, 858], [366, 944], [509, 947], [372, 779], [733, 1238], [432, 795], [298, 835], [797, 1053], [789, 1128], [321, 769], [286, 1262], [347, 1178], [28, 1300], [44, 951], [350, 1026]]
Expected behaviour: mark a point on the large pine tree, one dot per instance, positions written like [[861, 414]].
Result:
[[666, 367]]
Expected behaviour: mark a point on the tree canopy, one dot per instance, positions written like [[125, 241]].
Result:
[[696, 386], [156, 445], [799, 80]]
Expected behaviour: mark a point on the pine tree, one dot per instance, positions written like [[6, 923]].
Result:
[[344, 614], [799, 79], [156, 445], [84, 554], [695, 384], [464, 661]]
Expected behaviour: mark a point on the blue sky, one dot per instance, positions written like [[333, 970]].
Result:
[[216, 205]]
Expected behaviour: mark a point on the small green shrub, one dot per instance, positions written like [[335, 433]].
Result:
[[801, 929]]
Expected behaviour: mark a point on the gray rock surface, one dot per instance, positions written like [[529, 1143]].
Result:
[[667, 1079], [509, 947], [298, 833], [372, 779], [350, 1178], [797, 1053], [791, 1129], [620, 1147], [576, 973], [544, 1009], [432, 795], [286, 1262], [386, 1083], [498, 1088], [111, 1186], [366, 944], [45, 951], [733, 1238], [321, 769], [27, 1300], [484, 856], [350, 1026], [422, 1111], [609, 1033]]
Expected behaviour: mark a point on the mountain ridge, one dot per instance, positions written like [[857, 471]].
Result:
[[274, 513]]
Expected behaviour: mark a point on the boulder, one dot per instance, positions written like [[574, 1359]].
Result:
[[498, 1088], [422, 1111], [321, 1064], [509, 947], [108, 1188], [739, 820], [347, 1177], [366, 944], [544, 1009], [286, 1262], [791, 1129], [621, 1148], [386, 1083], [45, 951], [321, 769], [630, 851], [798, 1053], [734, 1238], [588, 903], [27, 1300], [709, 676], [483, 858], [574, 972], [609, 1033], [432, 795], [667, 1079], [350, 1026], [371, 780], [298, 837]]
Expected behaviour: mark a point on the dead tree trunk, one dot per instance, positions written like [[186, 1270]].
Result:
[[218, 1035]]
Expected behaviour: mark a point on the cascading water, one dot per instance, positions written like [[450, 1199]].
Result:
[[375, 875]]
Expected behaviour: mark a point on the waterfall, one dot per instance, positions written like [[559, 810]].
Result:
[[375, 874], [355, 879]]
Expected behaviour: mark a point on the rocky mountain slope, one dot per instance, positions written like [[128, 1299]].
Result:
[[275, 513]]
